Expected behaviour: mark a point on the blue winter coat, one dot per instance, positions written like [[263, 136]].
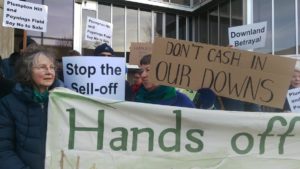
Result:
[[23, 126]]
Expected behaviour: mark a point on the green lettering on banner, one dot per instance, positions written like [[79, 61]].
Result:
[[137, 131], [248, 148], [176, 132], [122, 139], [73, 128], [268, 130], [194, 139], [287, 133]]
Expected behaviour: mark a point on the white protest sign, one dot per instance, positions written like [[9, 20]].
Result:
[[96, 76], [98, 31], [293, 98], [90, 133], [25, 15], [248, 36]]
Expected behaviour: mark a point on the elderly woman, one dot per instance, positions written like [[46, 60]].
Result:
[[23, 113]]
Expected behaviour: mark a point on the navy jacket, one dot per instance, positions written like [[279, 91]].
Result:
[[23, 126]]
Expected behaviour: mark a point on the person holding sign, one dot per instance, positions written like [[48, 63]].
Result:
[[23, 113], [158, 94], [105, 50], [295, 83]]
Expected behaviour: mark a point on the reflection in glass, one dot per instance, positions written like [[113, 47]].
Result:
[[118, 29], [104, 12], [203, 38], [224, 24], [60, 13], [132, 27], [158, 17], [182, 28], [213, 26], [170, 25], [87, 44], [284, 27], [145, 27], [262, 11], [298, 27]]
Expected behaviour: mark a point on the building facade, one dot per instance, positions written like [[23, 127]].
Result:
[[205, 21]]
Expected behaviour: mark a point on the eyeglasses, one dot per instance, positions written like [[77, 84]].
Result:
[[45, 68]]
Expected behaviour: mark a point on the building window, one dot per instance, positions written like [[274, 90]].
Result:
[[284, 27], [158, 20], [59, 13], [203, 28], [146, 26], [104, 12], [118, 29], [262, 11], [190, 26], [132, 27], [87, 46], [224, 23], [182, 28], [213, 26], [236, 12], [170, 25], [181, 2]]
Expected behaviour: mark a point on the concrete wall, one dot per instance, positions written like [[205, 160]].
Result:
[[6, 37]]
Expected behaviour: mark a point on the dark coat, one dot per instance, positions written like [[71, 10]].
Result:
[[156, 97], [6, 86], [23, 126]]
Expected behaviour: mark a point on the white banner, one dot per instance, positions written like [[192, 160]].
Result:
[[98, 31], [25, 15], [96, 76], [248, 36], [293, 97], [87, 133]]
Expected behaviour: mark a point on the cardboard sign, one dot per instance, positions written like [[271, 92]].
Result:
[[25, 15], [293, 98], [98, 31], [95, 76], [253, 77], [248, 36], [138, 50], [90, 133]]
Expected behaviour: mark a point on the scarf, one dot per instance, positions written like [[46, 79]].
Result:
[[161, 93], [40, 97]]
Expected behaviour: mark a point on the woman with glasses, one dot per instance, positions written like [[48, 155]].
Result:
[[23, 113]]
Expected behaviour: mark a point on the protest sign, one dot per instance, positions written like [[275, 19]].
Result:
[[25, 15], [98, 31], [248, 36], [248, 76], [96, 76], [138, 50], [293, 98], [86, 132]]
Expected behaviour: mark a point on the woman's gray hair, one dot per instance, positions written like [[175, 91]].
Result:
[[27, 60]]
